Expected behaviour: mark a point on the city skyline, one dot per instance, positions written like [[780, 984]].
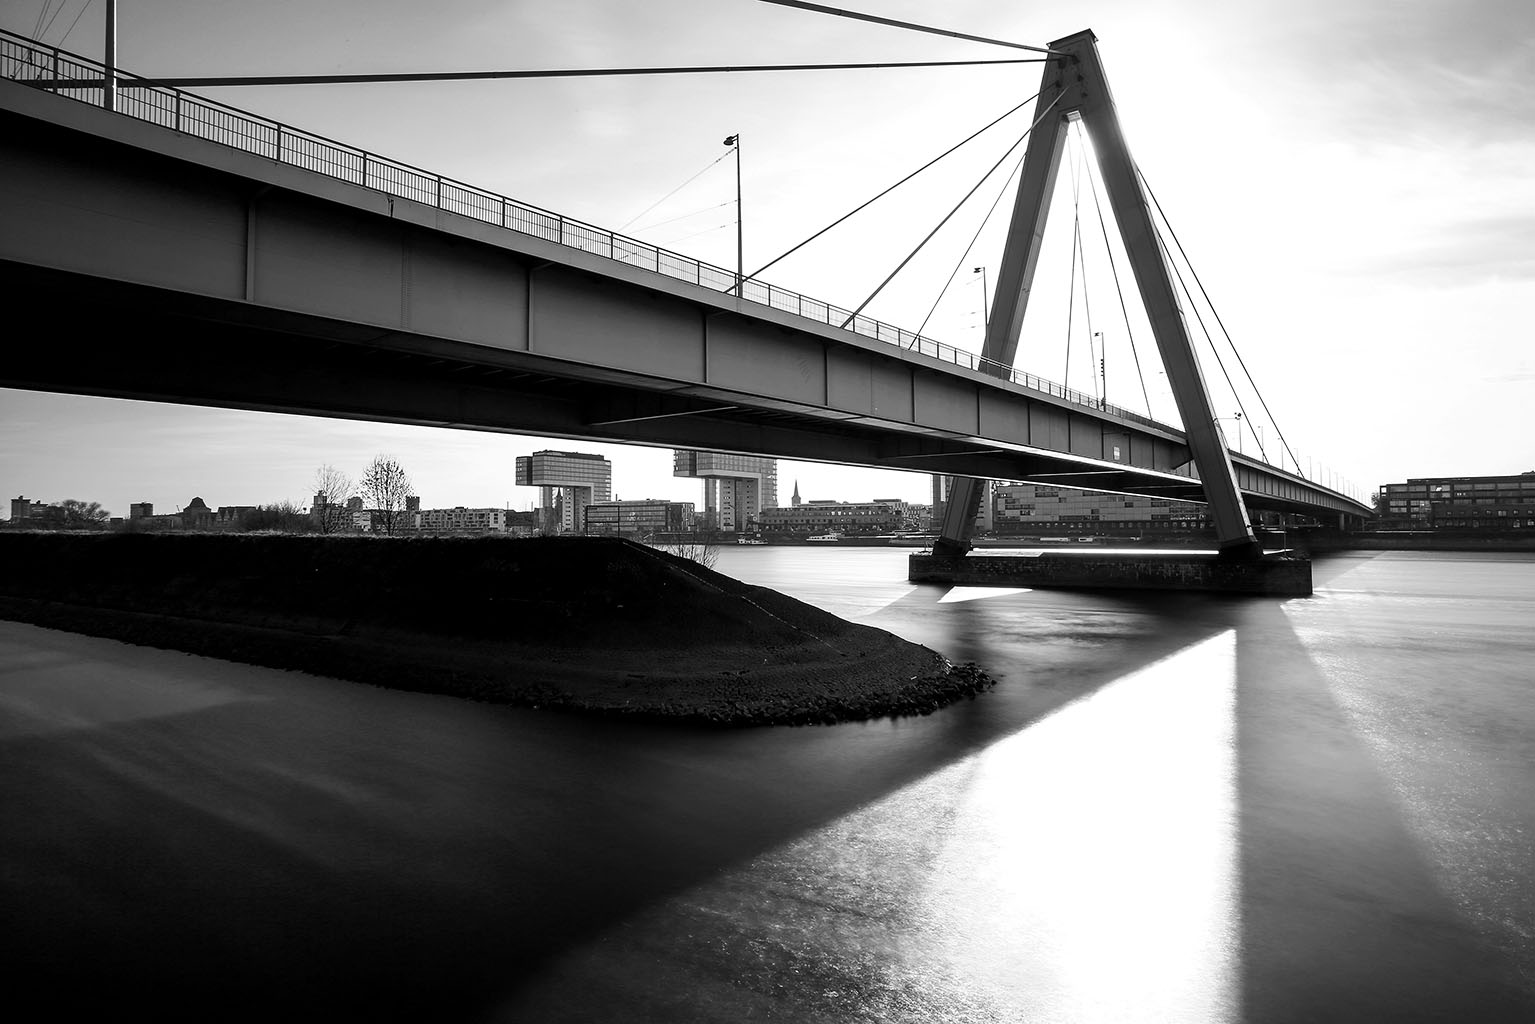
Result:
[[1353, 191]]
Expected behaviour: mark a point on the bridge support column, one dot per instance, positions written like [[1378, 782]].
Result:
[[1074, 87]]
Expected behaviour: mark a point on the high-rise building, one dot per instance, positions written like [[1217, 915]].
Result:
[[736, 487], [567, 483]]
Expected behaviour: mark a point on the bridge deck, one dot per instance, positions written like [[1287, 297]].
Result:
[[270, 279]]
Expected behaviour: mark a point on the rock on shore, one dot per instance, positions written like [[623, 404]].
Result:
[[597, 625]]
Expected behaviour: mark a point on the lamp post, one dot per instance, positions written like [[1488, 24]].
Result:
[[985, 303], [735, 141], [1237, 419], [109, 59], [1103, 371]]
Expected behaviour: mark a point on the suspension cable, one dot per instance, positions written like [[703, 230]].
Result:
[[964, 256], [1118, 289], [889, 190], [1209, 340], [1087, 304], [1178, 273], [55, 17], [819, 9], [695, 234], [684, 216], [65, 37], [861, 306], [1222, 324], [476, 76], [1071, 294], [674, 191]]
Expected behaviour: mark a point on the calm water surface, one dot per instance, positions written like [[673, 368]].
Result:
[[1170, 808]]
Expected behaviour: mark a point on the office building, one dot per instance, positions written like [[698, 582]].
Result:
[[736, 487], [639, 520], [1458, 503], [1024, 509], [841, 517], [567, 483]]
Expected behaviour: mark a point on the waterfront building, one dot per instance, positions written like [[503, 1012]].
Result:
[[197, 515], [229, 517], [841, 517], [639, 519], [1458, 503], [736, 487], [567, 483], [908, 514], [22, 509], [1023, 509], [456, 520]]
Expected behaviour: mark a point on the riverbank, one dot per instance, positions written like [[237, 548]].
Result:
[[1322, 541], [594, 625]]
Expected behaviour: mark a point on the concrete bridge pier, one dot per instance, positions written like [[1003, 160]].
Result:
[[1284, 573]]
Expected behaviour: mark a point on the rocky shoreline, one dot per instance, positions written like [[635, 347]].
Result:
[[596, 626]]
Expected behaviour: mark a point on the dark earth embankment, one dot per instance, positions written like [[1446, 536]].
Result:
[[596, 625]]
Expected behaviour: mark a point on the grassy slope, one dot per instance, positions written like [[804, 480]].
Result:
[[600, 625]]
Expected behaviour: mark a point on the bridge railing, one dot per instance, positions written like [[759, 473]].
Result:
[[67, 74]]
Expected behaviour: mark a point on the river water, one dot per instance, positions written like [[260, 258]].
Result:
[[1171, 807]]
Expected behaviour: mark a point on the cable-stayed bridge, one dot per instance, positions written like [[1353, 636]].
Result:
[[176, 249]]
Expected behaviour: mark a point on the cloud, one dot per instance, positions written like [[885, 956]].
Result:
[[1449, 70], [1489, 248]]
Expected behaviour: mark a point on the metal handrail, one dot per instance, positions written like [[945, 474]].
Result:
[[31, 62]]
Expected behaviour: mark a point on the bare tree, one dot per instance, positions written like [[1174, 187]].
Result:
[[333, 489], [74, 514], [385, 486], [704, 552], [281, 517]]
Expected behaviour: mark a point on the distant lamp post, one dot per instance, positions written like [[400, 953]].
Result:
[[1103, 373], [735, 141], [985, 302], [1237, 419]]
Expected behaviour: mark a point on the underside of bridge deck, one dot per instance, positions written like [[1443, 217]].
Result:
[[129, 341]]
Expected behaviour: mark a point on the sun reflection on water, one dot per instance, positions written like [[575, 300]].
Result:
[[1088, 871], [1082, 869]]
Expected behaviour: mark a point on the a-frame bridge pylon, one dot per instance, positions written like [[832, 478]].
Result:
[[1074, 87]]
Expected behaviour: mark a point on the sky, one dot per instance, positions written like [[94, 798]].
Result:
[[1351, 183]]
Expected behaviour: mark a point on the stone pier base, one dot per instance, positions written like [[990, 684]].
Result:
[[1280, 573]]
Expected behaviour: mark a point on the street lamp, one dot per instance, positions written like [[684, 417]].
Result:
[[1237, 419], [1103, 372], [734, 141], [985, 304]]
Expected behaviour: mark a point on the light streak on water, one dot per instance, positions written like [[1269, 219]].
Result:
[[1081, 869], [956, 594]]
